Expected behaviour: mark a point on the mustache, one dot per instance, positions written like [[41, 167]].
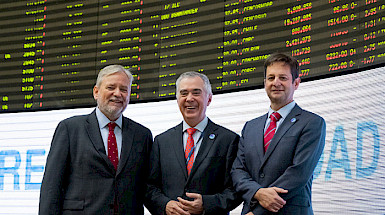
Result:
[[115, 99]]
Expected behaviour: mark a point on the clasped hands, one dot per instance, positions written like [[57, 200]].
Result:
[[186, 207], [269, 198]]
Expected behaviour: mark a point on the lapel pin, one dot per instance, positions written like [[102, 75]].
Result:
[[212, 136], [293, 119]]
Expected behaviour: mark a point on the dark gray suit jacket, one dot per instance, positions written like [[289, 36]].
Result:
[[288, 163], [80, 179], [210, 174]]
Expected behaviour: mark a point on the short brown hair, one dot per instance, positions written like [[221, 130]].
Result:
[[288, 60]]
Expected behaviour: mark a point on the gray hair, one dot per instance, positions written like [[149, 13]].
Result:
[[111, 69], [192, 74]]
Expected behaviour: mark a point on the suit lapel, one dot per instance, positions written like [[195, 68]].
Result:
[[260, 124], [289, 121], [93, 132], [177, 143], [208, 139], [128, 133]]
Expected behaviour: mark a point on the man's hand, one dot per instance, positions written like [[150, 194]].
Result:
[[173, 207], [250, 213], [269, 198], [193, 207]]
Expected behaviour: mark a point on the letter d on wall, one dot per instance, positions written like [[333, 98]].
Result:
[[362, 128]]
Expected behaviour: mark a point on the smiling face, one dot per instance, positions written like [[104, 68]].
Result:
[[113, 94], [193, 100], [279, 84]]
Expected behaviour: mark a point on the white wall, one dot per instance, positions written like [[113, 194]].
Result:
[[348, 179]]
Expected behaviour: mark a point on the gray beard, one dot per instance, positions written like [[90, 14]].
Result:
[[110, 113]]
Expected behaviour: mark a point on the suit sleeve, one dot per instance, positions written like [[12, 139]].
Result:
[[244, 184], [55, 170], [156, 200], [309, 148], [228, 199]]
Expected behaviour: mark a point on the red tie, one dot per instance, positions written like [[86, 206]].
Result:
[[270, 131], [112, 146], [189, 152]]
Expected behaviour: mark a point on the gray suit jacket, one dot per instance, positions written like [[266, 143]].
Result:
[[210, 174], [288, 163], [80, 179]]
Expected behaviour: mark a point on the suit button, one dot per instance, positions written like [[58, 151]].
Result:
[[111, 206], [262, 175]]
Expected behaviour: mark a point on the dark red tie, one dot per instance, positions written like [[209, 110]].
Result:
[[189, 152], [270, 131], [112, 146]]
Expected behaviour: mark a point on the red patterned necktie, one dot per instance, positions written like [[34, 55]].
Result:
[[189, 152], [270, 131], [112, 146]]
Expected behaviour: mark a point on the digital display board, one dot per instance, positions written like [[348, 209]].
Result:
[[51, 51]]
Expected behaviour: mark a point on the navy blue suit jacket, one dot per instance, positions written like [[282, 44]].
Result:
[[210, 174], [288, 163], [80, 179]]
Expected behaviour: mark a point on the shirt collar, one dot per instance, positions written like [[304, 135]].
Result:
[[103, 120], [201, 126], [283, 111]]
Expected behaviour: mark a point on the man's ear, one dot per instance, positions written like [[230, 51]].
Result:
[[296, 83], [209, 100], [95, 92]]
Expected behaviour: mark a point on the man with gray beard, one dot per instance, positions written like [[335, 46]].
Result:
[[98, 163]]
